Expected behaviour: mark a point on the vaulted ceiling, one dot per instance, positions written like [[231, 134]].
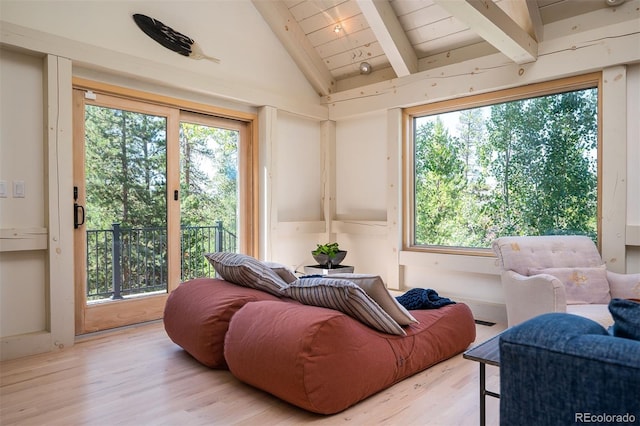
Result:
[[333, 41]]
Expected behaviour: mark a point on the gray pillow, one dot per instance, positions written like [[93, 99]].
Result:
[[343, 296], [375, 288], [246, 271], [285, 273]]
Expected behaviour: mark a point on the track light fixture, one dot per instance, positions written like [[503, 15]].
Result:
[[365, 68]]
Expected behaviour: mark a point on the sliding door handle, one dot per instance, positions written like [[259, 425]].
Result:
[[77, 208], [78, 220]]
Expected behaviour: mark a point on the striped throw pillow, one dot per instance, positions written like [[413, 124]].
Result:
[[246, 271], [283, 272], [343, 296], [375, 288]]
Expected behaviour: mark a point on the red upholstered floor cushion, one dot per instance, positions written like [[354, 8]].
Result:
[[197, 315], [325, 361]]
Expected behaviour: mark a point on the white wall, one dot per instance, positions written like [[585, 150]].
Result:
[[361, 197], [294, 191], [361, 168], [298, 169], [22, 292], [633, 168], [36, 263]]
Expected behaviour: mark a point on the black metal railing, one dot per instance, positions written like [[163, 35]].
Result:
[[128, 261]]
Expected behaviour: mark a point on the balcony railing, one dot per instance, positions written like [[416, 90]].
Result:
[[123, 262]]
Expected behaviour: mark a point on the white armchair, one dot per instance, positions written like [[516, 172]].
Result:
[[559, 274]]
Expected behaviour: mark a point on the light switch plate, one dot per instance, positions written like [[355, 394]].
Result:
[[3, 189], [18, 189]]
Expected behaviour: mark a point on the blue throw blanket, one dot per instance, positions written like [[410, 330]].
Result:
[[421, 298]]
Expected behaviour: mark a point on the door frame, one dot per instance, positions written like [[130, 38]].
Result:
[[89, 318]]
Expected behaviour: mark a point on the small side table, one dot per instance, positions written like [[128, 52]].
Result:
[[485, 353], [322, 270]]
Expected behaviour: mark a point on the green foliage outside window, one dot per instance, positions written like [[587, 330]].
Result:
[[126, 184], [126, 159], [526, 167], [208, 175], [209, 188]]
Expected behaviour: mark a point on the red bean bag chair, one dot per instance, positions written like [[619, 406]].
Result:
[[324, 361], [197, 315]]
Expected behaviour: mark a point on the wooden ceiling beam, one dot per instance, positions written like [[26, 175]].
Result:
[[392, 38], [286, 28], [536, 19], [491, 23]]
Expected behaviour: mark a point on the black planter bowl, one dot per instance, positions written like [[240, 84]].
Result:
[[323, 259]]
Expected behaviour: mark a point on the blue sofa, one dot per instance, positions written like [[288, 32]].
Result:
[[562, 369]]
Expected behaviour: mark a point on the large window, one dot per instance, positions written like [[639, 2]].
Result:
[[516, 162]]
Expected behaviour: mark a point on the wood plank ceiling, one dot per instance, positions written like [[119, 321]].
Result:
[[331, 39]]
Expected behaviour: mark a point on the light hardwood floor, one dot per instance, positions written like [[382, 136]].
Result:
[[137, 376]]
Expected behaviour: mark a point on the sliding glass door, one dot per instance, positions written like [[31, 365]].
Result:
[[155, 187], [126, 258]]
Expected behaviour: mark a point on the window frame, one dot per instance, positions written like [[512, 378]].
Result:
[[586, 81]]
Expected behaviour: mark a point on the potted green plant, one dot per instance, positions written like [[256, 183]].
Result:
[[328, 255]]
